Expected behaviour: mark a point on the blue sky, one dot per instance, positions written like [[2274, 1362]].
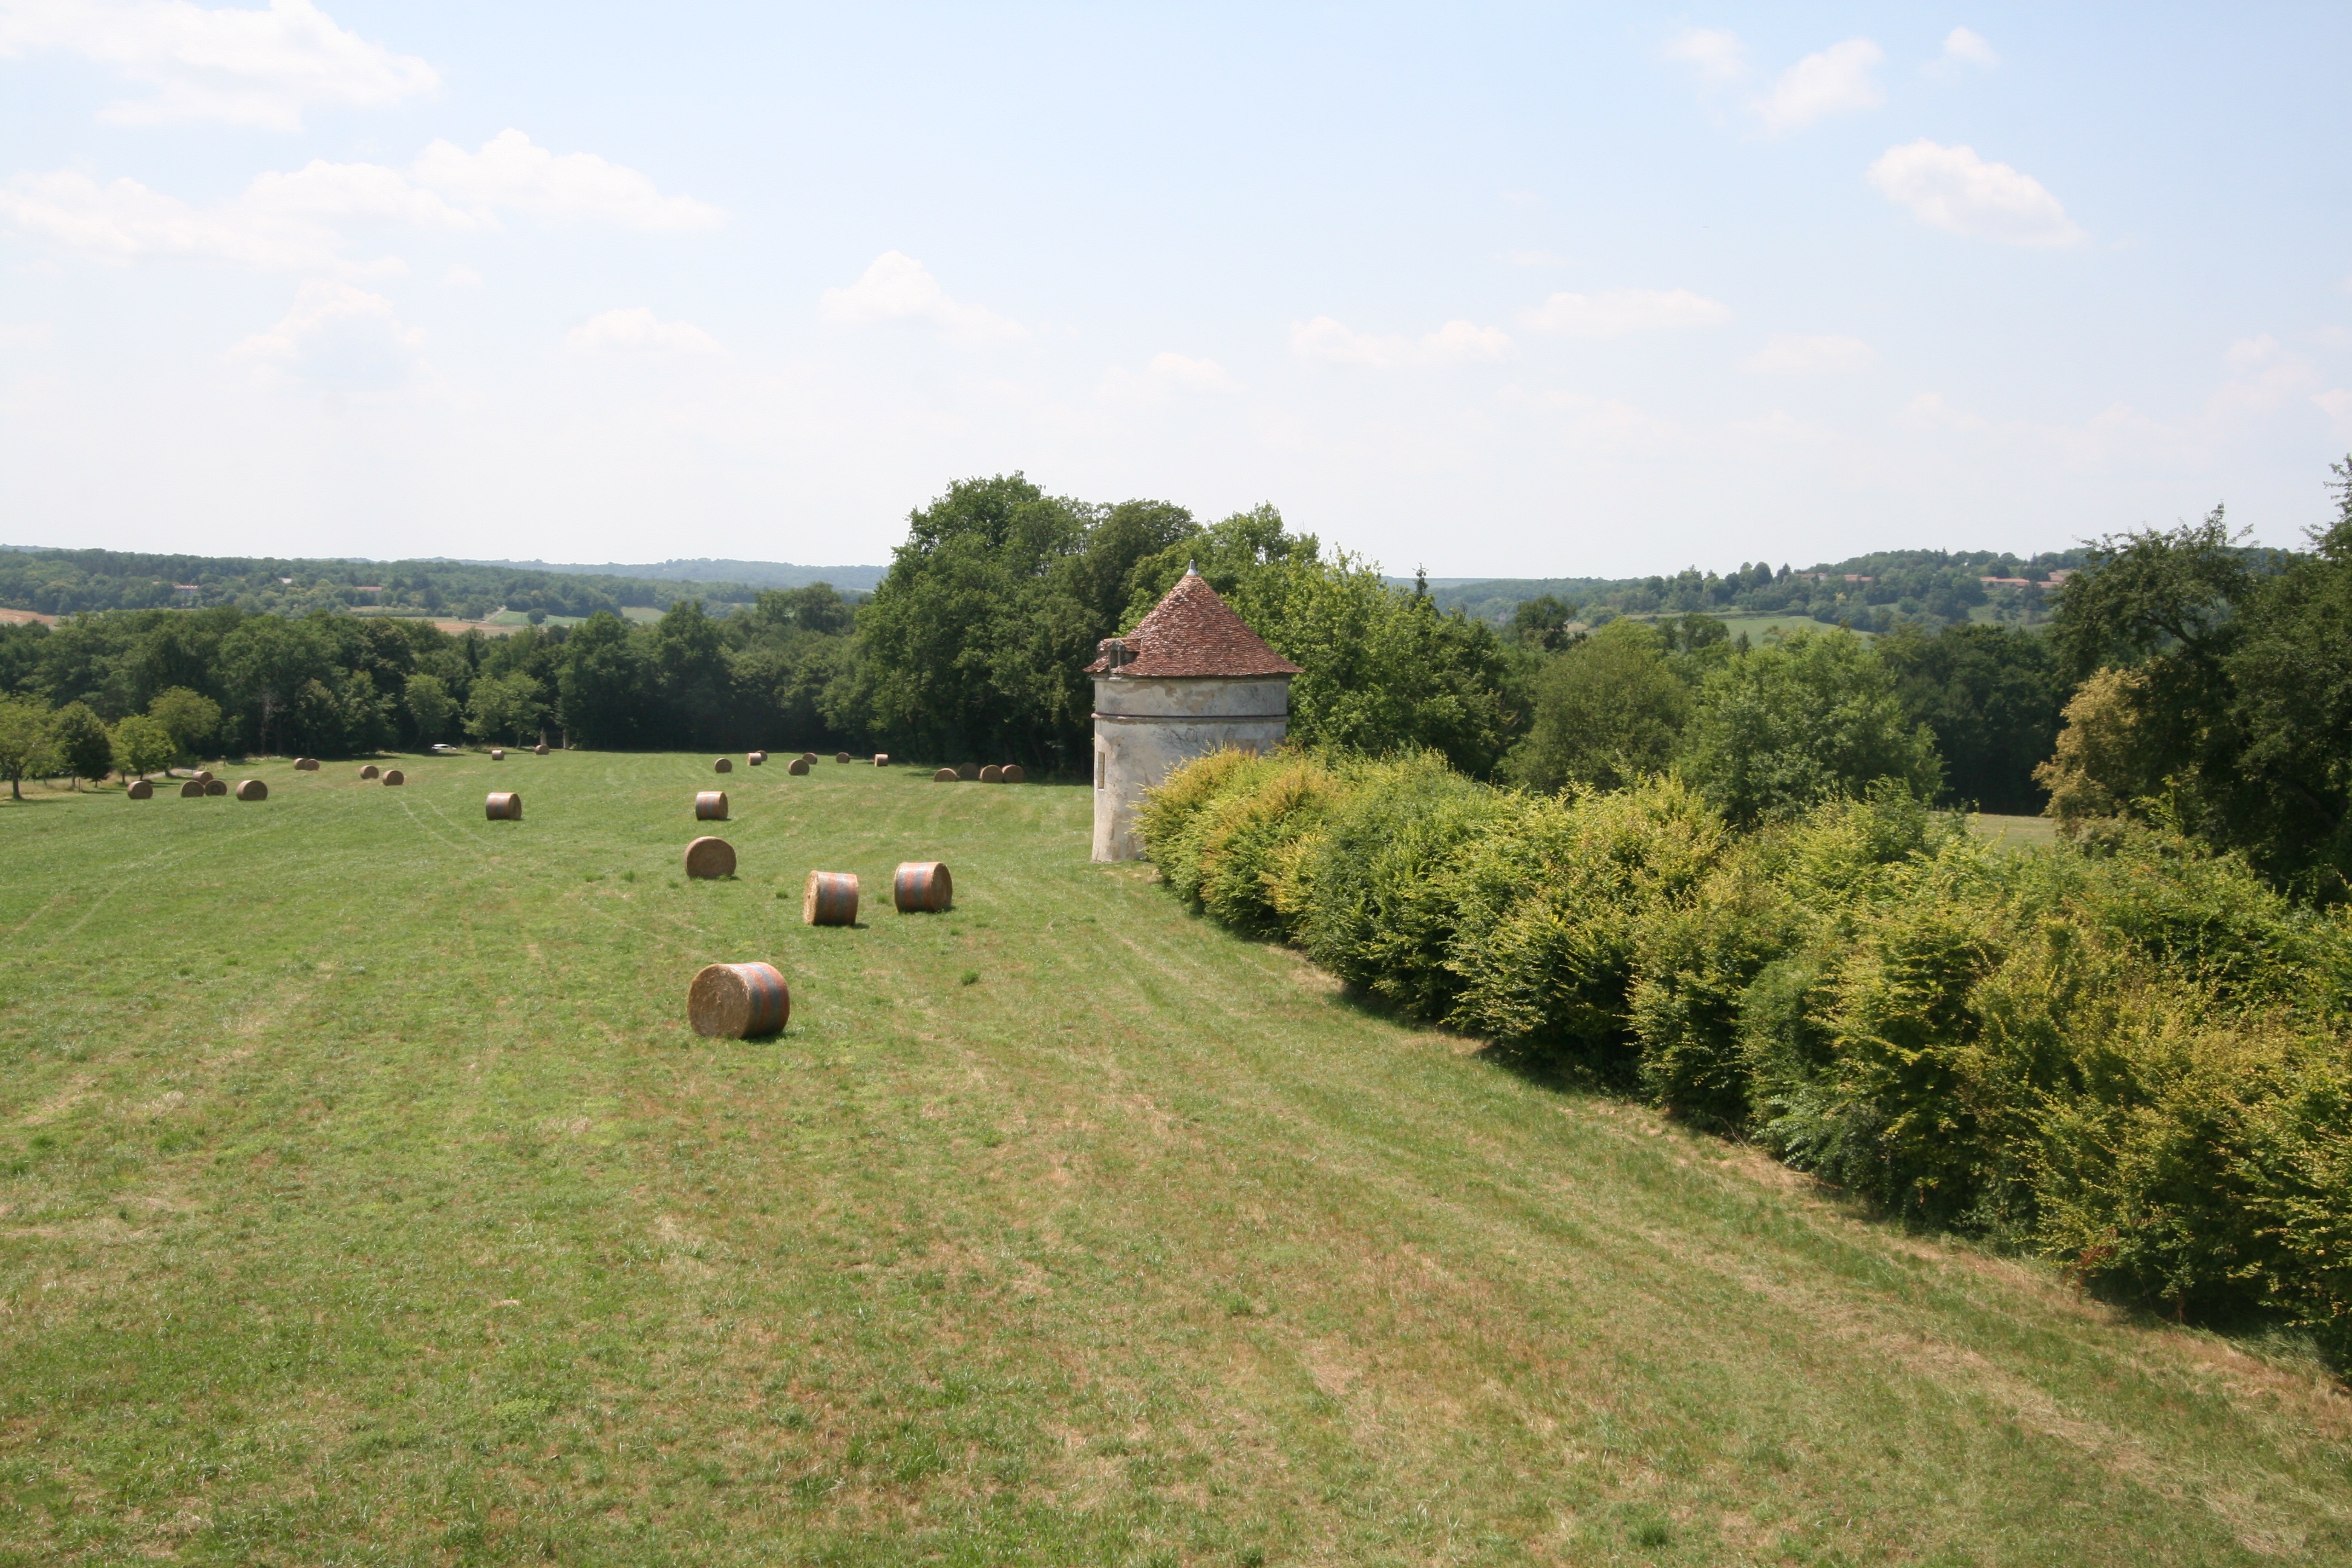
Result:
[[1492, 289]]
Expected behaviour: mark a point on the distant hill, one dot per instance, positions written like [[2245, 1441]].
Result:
[[756, 574]]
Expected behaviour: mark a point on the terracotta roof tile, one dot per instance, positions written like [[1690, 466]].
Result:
[[1193, 632]]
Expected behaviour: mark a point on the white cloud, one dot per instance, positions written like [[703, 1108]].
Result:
[[338, 338], [1951, 188], [897, 288], [23, 334], [638, 330], [1532, 259], [2336, 404], [510, 171], [247, 67], [1169, 373], [1456, 342], [1836, 81], [1615, 312], [1962, 47], [1930, 413], [1795, 354], [295, 221], [461, 278], [1713, 54]]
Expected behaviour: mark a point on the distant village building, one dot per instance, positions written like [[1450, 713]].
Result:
[[1189, 679]]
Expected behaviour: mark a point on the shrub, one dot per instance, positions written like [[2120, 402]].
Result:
[[1170, 813], [1242, 837]]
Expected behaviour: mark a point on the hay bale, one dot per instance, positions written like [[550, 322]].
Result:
[[503, 805], [945, 775], [737, 1001], [192, 790], [1013, 774], [710, 806], [371, 771], [140, 790], [809, 757], [841, 756], [968, 772], [498, 754], [722, 766], [710, 858], [922, 886], [394, 777], [756, 759], [306, 764], [215, 787], [252, 789], [540, 749], [992, 773], [800, 766], [881, 759], [830, 899], [201, 776]]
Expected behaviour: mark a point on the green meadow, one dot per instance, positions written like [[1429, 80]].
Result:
[[365, 1198]]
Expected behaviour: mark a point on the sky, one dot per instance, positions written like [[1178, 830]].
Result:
[[1491, 291]]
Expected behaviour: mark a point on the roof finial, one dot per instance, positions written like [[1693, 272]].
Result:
[[1192, 568]]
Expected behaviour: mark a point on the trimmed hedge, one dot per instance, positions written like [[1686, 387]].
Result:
[[2131, 1058]]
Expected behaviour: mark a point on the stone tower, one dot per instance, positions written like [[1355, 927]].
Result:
[[1189, 679]]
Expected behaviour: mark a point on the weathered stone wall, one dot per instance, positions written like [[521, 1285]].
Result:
[[1143, 728]]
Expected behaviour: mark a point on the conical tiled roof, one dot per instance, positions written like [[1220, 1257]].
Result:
[[1193, 632]]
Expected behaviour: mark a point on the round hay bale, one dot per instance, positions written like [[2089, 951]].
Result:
[[756, 759], [737, 1001], [503, 805], [540, 749], [881, 759], [192, 790], [968, 772], [498, 754], [252, 789], [808, 757], [201, 776], [140, 790], [922, 886], [800, 766], [394, 777], [722, 766], [830, 899], [710, 806], [945, 775], [1013, 774], [306, 764], [841, 756], [215, 787], [992, 773], [710, 858], [371, 771]]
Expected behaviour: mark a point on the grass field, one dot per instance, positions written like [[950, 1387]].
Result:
[[363, 1198]]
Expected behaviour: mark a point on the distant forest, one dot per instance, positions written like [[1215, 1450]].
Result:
[[72, 582], [1868, 593]]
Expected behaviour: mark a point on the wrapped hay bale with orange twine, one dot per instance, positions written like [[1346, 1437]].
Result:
[[737, 1001], [251, 789], [1013, 774], [503, 805], [992, 774], [371, 771], [215, 787], [722, 766], [710, 858], [192, 790], [140, 790], [756, 759], [922, 886], [394, 777], [710, 806], [306, 764], [945, 775], [830, 899], [800, 766]]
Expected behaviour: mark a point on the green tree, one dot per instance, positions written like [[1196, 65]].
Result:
[[504, 707], [1794, 723], [1607, 712], [141, 746], [1542, 622], [190, 718], [1991, 695], [27, 746], [430, 707], [83, 749], [602, 685]]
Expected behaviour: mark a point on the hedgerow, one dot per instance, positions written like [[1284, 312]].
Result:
[[2130, 1057]]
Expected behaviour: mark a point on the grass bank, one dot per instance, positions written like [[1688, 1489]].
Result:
[[365, 1198]]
